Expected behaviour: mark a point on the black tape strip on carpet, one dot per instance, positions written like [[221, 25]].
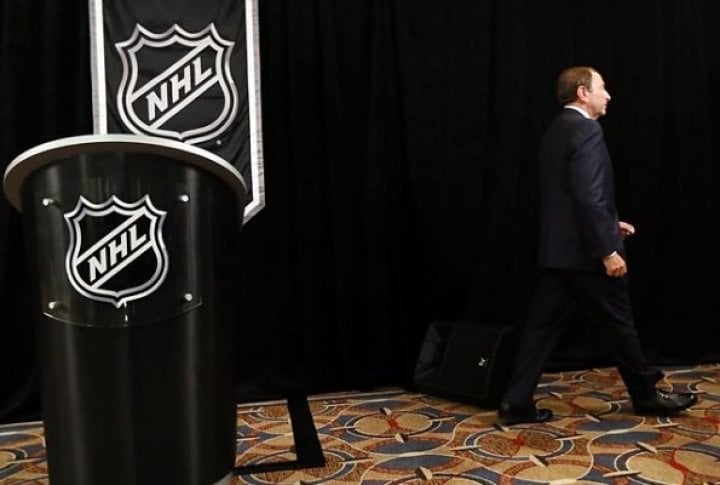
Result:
[[307, 445]]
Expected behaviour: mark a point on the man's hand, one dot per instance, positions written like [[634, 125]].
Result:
[[625, 229], [615, 265]]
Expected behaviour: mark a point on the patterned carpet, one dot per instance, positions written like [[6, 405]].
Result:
[[399, 437]]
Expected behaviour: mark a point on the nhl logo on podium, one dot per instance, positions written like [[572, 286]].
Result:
[[177, 84], [116, 252]]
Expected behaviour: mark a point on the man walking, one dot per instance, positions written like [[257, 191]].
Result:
[[581, 256]]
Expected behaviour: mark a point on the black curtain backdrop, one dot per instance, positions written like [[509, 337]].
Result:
[[399, 141]]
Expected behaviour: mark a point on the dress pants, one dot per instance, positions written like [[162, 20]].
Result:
[[605, 301]]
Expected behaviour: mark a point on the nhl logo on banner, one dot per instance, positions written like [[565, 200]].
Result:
[[177, 84], [116, 252]]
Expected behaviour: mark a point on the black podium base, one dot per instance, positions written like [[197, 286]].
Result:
[[138, 405]]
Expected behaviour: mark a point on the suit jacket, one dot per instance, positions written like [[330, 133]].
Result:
[[578, 217]]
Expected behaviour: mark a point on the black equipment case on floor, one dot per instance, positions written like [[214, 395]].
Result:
[[465, 362]]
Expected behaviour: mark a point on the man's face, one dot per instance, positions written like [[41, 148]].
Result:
[[597, 97]]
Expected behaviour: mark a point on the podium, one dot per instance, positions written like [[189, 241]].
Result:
[[133, 245]]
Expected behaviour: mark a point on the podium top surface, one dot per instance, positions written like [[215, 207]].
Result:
[[44, 154]]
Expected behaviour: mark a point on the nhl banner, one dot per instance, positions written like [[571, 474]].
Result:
[[183, 70]]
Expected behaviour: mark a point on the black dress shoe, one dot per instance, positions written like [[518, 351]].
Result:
[[663, 403], [509, 414]]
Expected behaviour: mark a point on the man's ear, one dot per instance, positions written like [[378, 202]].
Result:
[[582, 92]]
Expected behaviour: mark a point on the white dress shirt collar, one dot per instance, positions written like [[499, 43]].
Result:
[[578, 109]]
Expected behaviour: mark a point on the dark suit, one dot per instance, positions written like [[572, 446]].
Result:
[[578, 227]]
